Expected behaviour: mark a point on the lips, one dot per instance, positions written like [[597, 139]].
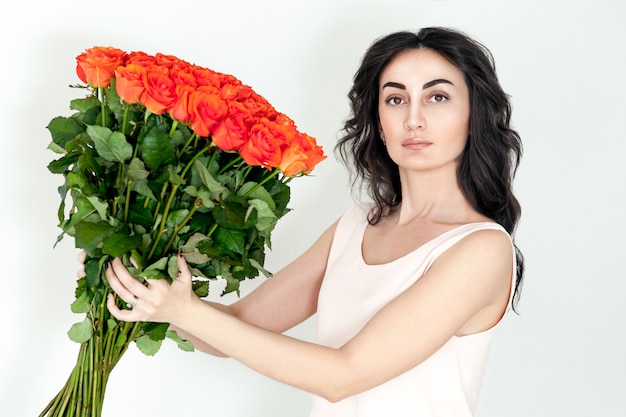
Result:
[[416, 143]]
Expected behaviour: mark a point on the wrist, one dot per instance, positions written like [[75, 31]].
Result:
[[185, 314]]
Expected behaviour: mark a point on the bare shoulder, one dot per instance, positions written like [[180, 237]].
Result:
[[479, 266], [491, 245]]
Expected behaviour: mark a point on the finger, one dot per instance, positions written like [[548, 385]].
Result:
[[81, 259], [130, 283], [118, 286], [184, 274], [123, 315]]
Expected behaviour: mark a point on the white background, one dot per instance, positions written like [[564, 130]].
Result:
[[563, 63]]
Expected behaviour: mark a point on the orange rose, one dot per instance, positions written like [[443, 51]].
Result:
[[183, 77], [301, 155], [180, 108], [170, 61], [314, 152], [293, 160], [262, 148], [97, 65], [205, 76], [160, 90], [205, 109], [284, 120], [229, 87], [130, 82], [232, 132], [140, 58], [256, 104]]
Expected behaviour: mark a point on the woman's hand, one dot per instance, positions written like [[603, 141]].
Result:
[[81, 260], [156, 300]]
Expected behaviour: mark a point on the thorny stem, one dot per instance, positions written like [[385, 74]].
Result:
[[103, 107], [213, 228], [163, 220], [195, 157], [83, 393], [182, 224], [230, 164], [125, 120], [127, 202], [168, 205], [266, 179], [173, 128]]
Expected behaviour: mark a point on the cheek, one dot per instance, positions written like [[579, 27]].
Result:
[[458, 125]]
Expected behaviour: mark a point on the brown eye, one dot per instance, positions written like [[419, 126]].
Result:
[[438, 98], [395, 101]]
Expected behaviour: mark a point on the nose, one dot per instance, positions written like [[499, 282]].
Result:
[[415, 117]]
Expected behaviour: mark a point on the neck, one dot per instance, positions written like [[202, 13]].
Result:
[[433, 197]]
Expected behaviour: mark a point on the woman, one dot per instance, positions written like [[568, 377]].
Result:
[[408, 289]]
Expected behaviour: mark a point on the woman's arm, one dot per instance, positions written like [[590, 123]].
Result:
[[472, 279], [282, 301]]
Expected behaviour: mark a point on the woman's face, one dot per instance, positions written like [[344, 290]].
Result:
[[423, 111]]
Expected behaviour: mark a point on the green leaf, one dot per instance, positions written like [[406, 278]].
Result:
[[80, 305], [61, 165], [148, 346], [159, 265], [114, 101], [81, 332], [56, 148], [173, 177], [89, 235], [121, 339], [142, 188], [200, 287], [203, 194], [217, 190], [281, 194], [176, 217], [156, 331], [100, 206], [92, 272], [112, 146], [258, 193], [111, 324], [233, 240], [258, 266], [83, 105], [137, 170], [234, 214], [120, 242], [140, 215], [266, 219], [84, 209], [190, 249], [185, 345], [157, 149], [232, 284], [64, 129]]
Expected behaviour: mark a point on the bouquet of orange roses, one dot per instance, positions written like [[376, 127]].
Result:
[[163, 157]]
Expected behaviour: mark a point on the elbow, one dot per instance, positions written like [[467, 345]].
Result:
[[336, 391], [334, 397]]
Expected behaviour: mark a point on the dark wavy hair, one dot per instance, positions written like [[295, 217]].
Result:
[[493, 150]]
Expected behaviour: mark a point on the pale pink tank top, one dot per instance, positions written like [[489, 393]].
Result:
[[352, 292]]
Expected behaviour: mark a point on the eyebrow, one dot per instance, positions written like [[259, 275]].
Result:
[[424, 87]]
